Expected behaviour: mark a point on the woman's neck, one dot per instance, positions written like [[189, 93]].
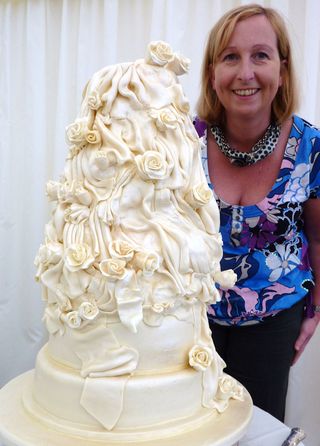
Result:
[[244, 134]]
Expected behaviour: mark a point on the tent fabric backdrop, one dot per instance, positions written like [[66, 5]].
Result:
[[48, 51]]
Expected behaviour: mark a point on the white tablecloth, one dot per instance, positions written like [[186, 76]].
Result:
[[265, 430]]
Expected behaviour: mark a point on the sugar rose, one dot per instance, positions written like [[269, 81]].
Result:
[[226, 279], [200, 357], [78, 256], [229, 388], [94, 101], [159, 53], [179, 64], [72, 319], [164, 119], [93, 137], [121, 249], [200, 195], [76, 132], [148, 262], [114, 269], [88, 311], [52, 189], [152, 166]]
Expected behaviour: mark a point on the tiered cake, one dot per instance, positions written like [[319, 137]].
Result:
[[130, 262]]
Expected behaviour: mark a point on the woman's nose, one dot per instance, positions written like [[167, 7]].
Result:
[[246, 70]]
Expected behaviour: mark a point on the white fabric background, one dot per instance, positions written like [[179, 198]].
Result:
[[48, 51]]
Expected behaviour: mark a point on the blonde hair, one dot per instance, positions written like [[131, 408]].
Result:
[[209, 107]]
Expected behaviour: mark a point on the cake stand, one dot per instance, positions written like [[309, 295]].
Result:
[[19, 428]]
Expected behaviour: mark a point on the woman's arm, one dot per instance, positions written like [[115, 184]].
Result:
[[312, 230]]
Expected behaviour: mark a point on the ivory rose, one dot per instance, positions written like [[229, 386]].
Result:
[[78, 256], [147, 262], [121, 249], [50, 253], [179, 64], [72, 319], [93, 137], [76, 132], [52, 188], [199, 195], [114, 269], [226, 279], [164, 119], [94, 101], [229, 388], [152, 166], [159, 53], [200, 357], [162, 307], [88, 311]]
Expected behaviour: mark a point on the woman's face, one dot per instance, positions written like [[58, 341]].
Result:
[[247, 75]]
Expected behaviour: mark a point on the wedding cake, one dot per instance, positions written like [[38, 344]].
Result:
[[129, 263]]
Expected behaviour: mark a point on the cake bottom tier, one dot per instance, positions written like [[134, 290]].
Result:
[[154, 404], [18, 427]]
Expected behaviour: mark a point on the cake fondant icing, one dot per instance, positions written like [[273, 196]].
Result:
[[130, 261]]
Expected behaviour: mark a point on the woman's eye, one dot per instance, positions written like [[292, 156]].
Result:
[[261, 55], [230, 57]]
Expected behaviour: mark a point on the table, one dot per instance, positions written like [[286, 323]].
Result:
[[265, 430]]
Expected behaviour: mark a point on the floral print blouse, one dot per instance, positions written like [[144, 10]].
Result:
[[265, 243]]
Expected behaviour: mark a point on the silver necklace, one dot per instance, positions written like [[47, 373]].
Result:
[[264, 147]]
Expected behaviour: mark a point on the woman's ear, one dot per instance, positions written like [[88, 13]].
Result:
[[211, 76], [283, 70]]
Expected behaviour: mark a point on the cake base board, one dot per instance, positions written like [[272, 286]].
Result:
[[18, 428]]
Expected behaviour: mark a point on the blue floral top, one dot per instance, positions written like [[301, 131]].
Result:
[[265, 243]]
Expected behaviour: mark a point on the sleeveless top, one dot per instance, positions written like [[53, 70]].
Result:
[[265, 243]]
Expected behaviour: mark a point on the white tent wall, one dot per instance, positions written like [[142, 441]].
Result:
[[48, 51]]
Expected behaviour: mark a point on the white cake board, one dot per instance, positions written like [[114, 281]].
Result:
[[18, 428]]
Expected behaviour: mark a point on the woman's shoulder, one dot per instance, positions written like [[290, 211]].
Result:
[[304, 127], [200, 126]]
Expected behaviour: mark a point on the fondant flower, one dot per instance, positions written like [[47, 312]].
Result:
[[164, 119], [199, 195], [121, 249], [159, 53], [226, 279], [76, 132], [52, 188], [179, 64], [94, 101], [200, 357], [72, 319], [93, 137], [114, 269], [152, 166], [88, 311], [78, 256], [228, 387], [50, 253], [66, 192], [147, 262], [162, 307]]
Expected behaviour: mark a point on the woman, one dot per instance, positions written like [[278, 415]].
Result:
[[263, 164]]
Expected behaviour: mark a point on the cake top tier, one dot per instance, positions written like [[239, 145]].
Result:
[[134, 231]]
